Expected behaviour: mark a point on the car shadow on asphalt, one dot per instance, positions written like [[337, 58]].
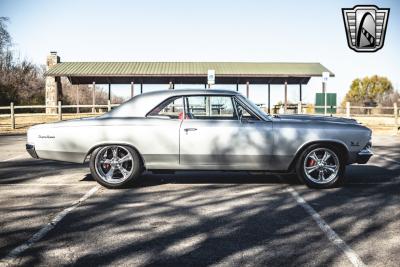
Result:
[[148, 179], [355, 175], [21, 171]]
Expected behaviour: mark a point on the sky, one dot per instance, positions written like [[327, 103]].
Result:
[[255, 31]]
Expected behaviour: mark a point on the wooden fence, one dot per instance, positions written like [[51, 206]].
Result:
[[59, 108]]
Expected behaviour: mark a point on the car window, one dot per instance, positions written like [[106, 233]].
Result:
[[245, 112], [171, 108], [210, 108]]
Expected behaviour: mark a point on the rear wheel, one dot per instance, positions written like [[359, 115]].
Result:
[[115, 166], [320, 166]]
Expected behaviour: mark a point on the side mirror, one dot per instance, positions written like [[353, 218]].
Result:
[[240, 114]]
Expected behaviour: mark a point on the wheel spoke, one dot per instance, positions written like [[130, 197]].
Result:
[[124, 172], [115, 152], [107, 161], [321, 176], [311, 169], [110, 173], [125, 158], [331, 168], [326, 156], [314, 157]]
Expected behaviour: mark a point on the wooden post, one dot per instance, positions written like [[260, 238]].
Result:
[[247, 89], [299, 108], [396, 114], [325, 98], [109, 105], [285, 106], [59, 111], [94, 97], [77, 98], [132, 89], [12, 116], [269, 98], [109, 91], [348, 109], [300, 93]]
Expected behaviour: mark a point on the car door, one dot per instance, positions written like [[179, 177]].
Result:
[[213, 137], [159, 138]]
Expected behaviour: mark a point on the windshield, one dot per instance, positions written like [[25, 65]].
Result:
[[254, 106]]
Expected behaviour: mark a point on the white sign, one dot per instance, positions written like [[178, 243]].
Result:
[[211, 77], [325, 76]]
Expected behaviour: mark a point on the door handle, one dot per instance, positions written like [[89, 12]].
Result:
[[190, 129]]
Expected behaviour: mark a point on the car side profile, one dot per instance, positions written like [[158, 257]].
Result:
[[203, 130]]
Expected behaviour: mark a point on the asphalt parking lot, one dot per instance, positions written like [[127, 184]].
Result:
[[208, 218]]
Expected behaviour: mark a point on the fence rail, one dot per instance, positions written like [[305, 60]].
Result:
[[348, 111], [59, 108]]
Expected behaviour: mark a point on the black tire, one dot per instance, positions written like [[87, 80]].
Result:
[[134, 172], [335, 178]]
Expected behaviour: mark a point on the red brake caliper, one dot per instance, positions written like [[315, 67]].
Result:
[[310, 162]]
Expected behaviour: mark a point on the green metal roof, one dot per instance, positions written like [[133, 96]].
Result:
[[186, 69]]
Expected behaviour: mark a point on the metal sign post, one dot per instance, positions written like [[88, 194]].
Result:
[[210, 77], [325, 77]]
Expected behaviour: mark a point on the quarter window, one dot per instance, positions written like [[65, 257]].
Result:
[[171, 108], [210, 108]]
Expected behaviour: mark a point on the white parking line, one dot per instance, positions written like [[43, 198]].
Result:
[[331, 235], [13, 255]]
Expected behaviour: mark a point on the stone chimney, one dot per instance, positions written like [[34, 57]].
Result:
[[52, 59], [53, 84]]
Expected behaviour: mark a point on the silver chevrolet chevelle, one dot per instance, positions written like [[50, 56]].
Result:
[[203, 130]]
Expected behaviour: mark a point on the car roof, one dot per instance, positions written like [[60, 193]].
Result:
[[173, 92], [142, 104]]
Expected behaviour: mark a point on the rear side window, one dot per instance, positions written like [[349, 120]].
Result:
[[210, 108], [171, 108]]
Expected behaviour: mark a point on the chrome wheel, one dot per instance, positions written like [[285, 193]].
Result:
[[114, 164], [321, 165]]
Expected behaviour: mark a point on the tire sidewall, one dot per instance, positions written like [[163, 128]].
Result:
[[137, 168], [301, 173]]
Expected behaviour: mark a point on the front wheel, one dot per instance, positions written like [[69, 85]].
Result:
[[115, 166], [320, 166]]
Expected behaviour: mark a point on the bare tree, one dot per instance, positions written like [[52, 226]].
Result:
[[5, 38]]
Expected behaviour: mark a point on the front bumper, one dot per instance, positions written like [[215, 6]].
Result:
[[364, 155], [31, 150]]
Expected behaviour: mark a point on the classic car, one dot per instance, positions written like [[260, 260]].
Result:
[[174, 130]]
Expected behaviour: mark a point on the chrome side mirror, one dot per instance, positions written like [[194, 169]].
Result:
[[240, 114]]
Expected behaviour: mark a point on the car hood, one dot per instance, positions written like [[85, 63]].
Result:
[[315, 118]]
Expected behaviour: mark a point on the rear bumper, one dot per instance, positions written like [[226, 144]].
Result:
[[31, 150]]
